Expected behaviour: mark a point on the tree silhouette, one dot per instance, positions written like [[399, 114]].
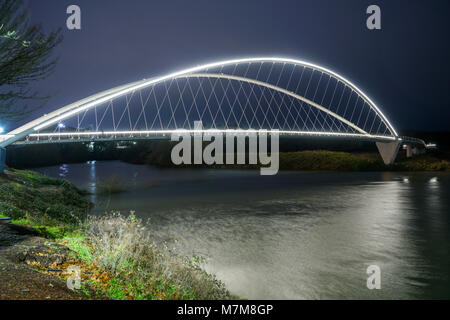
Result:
[[25, 56]]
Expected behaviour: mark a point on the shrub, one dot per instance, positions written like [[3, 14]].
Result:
[[9, 210], [42, 200], [143, 269]]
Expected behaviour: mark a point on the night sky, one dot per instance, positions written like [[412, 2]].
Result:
[[404, 67]]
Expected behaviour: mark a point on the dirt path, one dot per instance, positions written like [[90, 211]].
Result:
[[20, 281]]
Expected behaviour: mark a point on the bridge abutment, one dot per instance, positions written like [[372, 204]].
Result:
[[388, 151], [2, 159]]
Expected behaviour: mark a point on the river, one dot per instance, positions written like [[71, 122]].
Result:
[[296, 235]]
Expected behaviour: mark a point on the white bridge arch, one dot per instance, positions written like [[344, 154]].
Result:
[[293, 96]]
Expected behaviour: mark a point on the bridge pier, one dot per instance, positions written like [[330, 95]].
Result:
[[2, 159], [413, 151], [417, 150], [409, 151], [388, 151]]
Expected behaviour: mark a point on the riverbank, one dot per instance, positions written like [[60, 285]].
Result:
[[21, 246], [318, 160], [116, 257], [345, 161], [295, 154]]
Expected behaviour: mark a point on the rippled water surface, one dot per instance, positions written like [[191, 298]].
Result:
[[295, 235]]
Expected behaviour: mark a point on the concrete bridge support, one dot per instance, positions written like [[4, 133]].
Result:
[[388, 151], [413, 151], [2, 159], [409, 151], [417, 150]]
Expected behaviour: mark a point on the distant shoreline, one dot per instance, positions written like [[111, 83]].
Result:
[[295, 155], [322, 160], [315, 160]]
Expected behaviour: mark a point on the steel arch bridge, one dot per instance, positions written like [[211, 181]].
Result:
[[233, 96]]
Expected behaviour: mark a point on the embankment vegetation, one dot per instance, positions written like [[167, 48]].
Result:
[[117, 251], [52, 206], [345, 161], [158, 154], [295, 154]]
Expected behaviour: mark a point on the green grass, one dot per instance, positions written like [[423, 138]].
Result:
[[38, 179], [78, 243], [49, 232], [42, 201], [84, 290]]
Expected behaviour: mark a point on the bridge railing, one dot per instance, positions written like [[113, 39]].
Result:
[[413, 140]]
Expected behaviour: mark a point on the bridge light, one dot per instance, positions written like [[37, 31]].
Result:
[[61, 125], [2, 130], [114, 93]]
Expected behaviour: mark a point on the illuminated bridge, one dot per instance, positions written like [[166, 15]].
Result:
[[234, 96]]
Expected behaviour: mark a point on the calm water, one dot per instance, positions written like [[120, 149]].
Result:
[[294, 235]]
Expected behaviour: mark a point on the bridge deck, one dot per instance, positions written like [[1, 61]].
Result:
[[79, 137]]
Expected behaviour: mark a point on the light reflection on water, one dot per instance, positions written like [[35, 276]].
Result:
[[294, 235]]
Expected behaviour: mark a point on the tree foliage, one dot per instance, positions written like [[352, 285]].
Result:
[[25, 57]]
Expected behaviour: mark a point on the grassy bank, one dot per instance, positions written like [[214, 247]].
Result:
[[159, 154], [116, 253], [53, 207], [322, 160], [345, 161]]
